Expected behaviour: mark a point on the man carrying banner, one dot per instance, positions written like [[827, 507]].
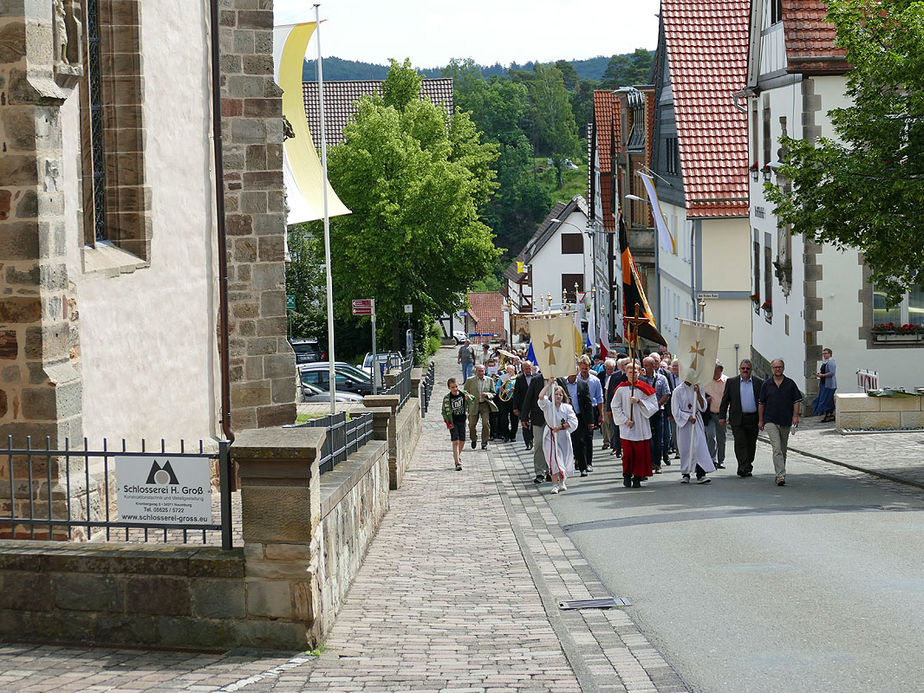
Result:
[[634, 403]]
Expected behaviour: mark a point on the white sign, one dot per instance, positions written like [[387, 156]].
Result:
[[408, 308], [164, 490]]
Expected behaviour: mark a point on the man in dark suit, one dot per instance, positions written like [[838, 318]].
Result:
[[582, 438], [520, 386], [739, 408], [610, 386], [531, 417]]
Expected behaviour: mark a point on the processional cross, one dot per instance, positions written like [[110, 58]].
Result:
[[551, 343], [697, 352], [632, 325]]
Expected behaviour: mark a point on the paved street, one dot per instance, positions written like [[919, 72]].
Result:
[[745, 586]]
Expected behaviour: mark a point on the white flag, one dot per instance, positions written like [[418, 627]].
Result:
[[664, 234], [697, 348], [552, 341]]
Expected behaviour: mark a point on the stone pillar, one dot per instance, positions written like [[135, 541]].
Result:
[[262, 364], [390, 403], [281, 521], [416, 377], [40, 389]]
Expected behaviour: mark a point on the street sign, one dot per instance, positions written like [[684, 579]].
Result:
[[362, 306], [408, 308], [290, 302]]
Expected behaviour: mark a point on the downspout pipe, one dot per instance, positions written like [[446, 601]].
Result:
[[223, 351], [747, 91]]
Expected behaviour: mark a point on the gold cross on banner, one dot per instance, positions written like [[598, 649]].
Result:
[[697, 352], [550, 344]]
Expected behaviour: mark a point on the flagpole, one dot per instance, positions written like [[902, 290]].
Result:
[[330, 291]]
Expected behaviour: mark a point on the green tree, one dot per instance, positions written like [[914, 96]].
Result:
[[497, 108], [306, 281], [569, 74], [627, 70], [554, 129], [414, 180], [865, 189]]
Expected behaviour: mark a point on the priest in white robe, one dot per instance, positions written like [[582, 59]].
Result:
[[634, 403], [687, 403]]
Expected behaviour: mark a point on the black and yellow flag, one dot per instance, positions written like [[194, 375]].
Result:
[[633, 293]]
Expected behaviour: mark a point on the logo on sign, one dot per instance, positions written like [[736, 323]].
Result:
[[161, 476]]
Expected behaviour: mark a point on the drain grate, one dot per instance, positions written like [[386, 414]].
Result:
[[600, 603]]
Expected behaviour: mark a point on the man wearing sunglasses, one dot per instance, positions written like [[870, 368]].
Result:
[[739, 409]]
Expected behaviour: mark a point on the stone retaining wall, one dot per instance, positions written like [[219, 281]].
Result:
[[354, 499], [180, 596], [859, 410]]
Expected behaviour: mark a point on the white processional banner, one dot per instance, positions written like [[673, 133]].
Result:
[[665, 237], [697, 349], [553, 342]]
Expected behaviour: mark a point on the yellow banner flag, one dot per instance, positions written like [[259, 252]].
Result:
[[697, 348]]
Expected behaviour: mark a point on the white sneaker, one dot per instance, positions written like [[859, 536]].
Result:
[[703, 480], [562, 486], [555, 489]]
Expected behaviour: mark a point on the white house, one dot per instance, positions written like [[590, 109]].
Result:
[[818, 296]]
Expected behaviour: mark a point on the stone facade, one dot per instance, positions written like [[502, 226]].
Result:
[[45, 52], [262, 370]]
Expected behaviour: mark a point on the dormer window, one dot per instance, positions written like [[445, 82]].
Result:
[[776, 11]]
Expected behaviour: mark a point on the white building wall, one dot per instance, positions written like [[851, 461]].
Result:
[[147, 337], [675, 270], [725, 271]]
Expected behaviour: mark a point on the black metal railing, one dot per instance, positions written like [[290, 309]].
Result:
[[55, 493], [402, 386], [344, 436], [426, 389]]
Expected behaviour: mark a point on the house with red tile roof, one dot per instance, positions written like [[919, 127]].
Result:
[[699, 167], [486, 318], [808, 295]]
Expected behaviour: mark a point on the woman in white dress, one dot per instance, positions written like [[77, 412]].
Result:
[[560, 420]]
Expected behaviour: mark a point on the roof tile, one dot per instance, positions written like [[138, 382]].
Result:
[[707, 45]]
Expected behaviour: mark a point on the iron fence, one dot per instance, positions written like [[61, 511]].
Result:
[[427, 388], [402, 386], [344, 436], [76, 494]]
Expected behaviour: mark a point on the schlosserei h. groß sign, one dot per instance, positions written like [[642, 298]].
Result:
[[164, 491]]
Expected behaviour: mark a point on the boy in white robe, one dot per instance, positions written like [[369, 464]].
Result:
[[686, 404], [634, 402]]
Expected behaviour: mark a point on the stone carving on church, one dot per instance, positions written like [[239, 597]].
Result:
[[68, 41]]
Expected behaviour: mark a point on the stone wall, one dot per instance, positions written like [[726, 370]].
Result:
[[143, 595], [262, 364], [859, 410], [354, 499]]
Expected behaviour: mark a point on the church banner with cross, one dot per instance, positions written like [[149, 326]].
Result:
[[697, 349], [553, 342]]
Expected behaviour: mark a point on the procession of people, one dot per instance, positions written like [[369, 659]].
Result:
[[648, 415]]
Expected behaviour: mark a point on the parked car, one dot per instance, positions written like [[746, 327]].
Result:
[[388, 359], [348, 378], [459, 336], [306, 350], [311, 393]]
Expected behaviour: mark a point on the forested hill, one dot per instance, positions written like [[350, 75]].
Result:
[[338, 69]]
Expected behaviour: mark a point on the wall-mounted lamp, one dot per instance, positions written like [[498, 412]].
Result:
[[767, 171], [754, 172]]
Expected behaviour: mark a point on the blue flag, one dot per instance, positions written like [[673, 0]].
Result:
[[531, 355]]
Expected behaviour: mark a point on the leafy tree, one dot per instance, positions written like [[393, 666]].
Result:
[[305, 280], [865, 190], [626, 70], [414, 180], [498, 107], [569, 74], [582, 105], [555, 131]]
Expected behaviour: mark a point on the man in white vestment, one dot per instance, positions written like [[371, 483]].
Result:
[[634, 403], [686, 404]]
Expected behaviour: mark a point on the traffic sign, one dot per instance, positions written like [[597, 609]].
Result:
[[290, 302], [408, 308], [362, 306]]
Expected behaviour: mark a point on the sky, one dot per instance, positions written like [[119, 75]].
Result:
[[432, 32]]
